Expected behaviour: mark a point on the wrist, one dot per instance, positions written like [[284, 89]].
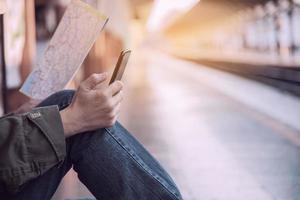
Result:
[[69, 123]]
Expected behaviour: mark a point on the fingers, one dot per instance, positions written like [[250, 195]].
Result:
[[117, 99], [116, 110], [115, 88], [93, 80], [113, 116]]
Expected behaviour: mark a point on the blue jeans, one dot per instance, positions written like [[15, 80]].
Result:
[[110, 162]]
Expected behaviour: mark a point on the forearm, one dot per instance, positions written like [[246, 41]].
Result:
[[71, 126]]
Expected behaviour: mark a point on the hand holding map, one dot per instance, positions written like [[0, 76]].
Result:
[[74, 37]]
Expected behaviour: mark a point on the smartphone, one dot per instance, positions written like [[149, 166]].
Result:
[[120, 67]]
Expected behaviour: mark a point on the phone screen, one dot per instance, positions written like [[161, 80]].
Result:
[[120, 67]]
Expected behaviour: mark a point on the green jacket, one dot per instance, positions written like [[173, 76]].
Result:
[[30, 144]]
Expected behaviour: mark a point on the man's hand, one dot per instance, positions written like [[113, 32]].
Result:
[[95, 105]]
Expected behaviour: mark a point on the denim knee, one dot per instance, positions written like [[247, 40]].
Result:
[[62, 99]]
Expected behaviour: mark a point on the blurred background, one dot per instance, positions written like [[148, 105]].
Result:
[[212, 87]]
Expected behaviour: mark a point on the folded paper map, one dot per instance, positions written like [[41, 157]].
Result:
[[70, 44]]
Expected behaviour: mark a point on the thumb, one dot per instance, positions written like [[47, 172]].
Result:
[[93, 80]]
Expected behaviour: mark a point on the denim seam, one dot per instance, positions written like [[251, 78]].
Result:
[[134, 157]]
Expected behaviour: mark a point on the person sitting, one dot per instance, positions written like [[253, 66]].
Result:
[[78, 129]]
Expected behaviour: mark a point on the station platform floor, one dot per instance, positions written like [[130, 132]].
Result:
[[221, 137]]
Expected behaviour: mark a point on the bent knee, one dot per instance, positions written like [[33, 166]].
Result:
[[62, 99]]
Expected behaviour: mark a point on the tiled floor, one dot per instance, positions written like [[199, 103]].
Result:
[[214, 145]]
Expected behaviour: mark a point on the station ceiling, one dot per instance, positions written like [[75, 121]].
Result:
[[210, 13], [207, 10], [206, 13], [228, 2], [238, 2]]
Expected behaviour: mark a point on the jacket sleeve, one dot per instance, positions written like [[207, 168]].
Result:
[[30, 144]]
